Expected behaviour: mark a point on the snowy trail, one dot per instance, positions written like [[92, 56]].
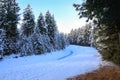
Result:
[[57, 65]]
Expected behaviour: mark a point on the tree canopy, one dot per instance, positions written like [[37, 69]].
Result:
[[101, 11]]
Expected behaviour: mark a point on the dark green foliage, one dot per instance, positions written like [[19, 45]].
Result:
[[10, 47], [116, 56], [41, 24], [9, 18], [106, 16], [48, 20], [51, 26], [106, 11], [28, 22], [107, 44]]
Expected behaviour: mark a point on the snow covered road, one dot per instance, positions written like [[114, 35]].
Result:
[[57, 65]]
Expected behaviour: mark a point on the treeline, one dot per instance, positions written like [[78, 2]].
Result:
[[82, 36], [33, 37], [105, 14]]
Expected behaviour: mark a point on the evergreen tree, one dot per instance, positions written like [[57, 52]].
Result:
[[51, 26], [28, 27], [41, 24], [8, 21], [28, 22], [11, 17], [41, 39]]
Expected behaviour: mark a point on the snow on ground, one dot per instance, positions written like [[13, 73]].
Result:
[[57, 65]]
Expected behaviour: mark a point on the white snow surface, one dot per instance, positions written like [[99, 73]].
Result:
[[58, 65]]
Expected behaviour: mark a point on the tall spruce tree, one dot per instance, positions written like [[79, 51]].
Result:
[[11, 18], [28, 27], [28, 22], [51, 26], [41, 39], [41, 24], [8, 21], [39, 30], [106, 15]]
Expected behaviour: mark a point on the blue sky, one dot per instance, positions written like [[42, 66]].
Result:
[[63, 10]]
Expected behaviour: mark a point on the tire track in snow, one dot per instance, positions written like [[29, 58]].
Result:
[[66, 56]]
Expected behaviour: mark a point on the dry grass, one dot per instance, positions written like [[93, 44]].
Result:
[[104, 73]]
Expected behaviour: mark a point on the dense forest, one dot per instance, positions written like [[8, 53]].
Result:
[[82, 36], [33, 37]]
